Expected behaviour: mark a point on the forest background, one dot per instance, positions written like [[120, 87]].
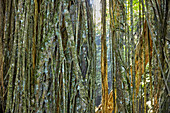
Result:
[[90, 56]]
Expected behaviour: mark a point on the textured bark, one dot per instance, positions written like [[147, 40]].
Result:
[[35, 33], [1, 54], [64, 34], [139, 55], [104, 61], [34, 50]]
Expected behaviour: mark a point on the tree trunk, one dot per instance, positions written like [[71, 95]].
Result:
[[104, 60]]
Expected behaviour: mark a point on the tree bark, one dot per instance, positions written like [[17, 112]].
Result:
[[1, 54], [104, 60]]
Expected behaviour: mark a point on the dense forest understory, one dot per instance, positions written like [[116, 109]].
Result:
[[84, 56]]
